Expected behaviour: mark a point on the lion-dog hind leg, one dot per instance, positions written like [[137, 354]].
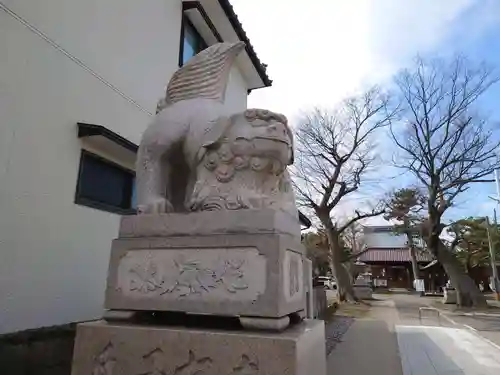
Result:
[[156, 155]]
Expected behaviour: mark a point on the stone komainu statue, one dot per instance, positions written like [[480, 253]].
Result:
[[194, 157]]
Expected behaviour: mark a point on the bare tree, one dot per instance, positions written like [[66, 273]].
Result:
[[334, 154], [446, 145]]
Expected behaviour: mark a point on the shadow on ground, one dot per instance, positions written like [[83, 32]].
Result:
[[335, 329], [339, 320]]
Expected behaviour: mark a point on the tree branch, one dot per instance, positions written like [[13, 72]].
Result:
[[360, 216]]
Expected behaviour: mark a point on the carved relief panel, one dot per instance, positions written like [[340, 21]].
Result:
[[198, 274], [156, 362], [293, 276]]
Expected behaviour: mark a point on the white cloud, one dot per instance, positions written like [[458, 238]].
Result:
[[320, 50], [316, 50]]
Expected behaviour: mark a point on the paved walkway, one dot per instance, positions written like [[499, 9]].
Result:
[[441, 350], [369, 346], [391, 339]]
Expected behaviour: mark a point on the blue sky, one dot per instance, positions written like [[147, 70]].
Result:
[[322, 50], [485, 46]]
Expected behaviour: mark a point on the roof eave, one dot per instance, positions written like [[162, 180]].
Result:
[[240, 32]]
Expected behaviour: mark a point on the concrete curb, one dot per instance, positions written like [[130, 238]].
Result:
[[447, 312], [478, 314], [475, 332], [471, 329]]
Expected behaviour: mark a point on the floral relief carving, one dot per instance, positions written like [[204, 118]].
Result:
[[153, 361], [105, 361], [191, 277], [246, 367], [146, 276], [194, 366]]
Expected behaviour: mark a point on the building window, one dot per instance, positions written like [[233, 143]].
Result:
[[105, 185], [191, 43]]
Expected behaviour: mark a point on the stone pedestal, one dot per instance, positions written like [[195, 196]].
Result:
[[124, 349], [233, 274], [246, 266], [169, 273]]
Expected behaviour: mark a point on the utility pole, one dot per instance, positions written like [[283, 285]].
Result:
[[493, 253], [493, 260], [496, 282]]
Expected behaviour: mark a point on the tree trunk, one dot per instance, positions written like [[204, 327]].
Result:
[[468, 294], [344, 284], [414, 263], [349, 266], [413, 257], [468, 267]]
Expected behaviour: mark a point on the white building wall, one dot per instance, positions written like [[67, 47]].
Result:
[[384, 239], [390, 240], [100, 62], [132, 44], [236, 92]]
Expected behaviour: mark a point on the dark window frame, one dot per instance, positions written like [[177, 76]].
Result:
[[88, 202], [186, 23]]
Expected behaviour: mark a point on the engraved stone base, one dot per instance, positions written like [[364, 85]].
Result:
[[105, 348], [258, 275]]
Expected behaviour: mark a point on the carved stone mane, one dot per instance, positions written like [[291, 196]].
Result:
[[245, 167], [204, 76]]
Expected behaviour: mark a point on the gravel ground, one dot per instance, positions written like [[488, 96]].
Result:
[[335, 329]]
